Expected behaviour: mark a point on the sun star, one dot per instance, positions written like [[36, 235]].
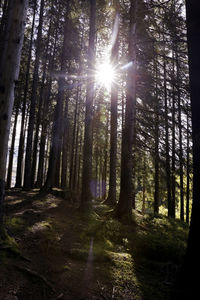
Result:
[[105, 75]]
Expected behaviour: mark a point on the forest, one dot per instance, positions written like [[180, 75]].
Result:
[[99, 149]]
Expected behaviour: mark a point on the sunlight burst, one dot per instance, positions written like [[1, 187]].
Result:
[[105, 75]]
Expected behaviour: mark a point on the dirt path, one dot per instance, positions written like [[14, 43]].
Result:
[[48, 231]]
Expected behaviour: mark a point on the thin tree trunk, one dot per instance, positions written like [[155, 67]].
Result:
[[167, 162], [58, 115], [74, 181], [180, 144], [173, 200], [41, 104], [156, 155], [12, 148], [86, 195], [111, 200], [65, 148], [45, 120], [188, 172], [28, 158], [71, 175], [21, 139], [104, 176]]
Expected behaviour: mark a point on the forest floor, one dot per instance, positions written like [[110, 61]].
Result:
[[56, 252]]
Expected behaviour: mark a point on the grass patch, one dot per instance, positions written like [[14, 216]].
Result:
[[138, 258], [15, 224]]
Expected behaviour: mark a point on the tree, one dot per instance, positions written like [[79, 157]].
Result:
[[58, 114], [28, 158], [113, 119], [27, 77], [188, 282], [86, 195], [9, 71], [124, 206]]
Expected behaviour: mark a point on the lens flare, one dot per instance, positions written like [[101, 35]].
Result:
[[105, 75]]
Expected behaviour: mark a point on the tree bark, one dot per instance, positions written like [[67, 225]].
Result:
[[180, 143], [45, 113], [9, 72], [20, 156], [12, 148], [29, 143], [111, 200], [58, 115], [86, 195], [156, 137], [123, 209], [167, 162], [188, 171], [188, 283]]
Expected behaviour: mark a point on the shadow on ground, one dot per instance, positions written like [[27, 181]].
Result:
[[65, 254]]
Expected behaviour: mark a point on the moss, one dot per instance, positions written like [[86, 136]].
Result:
[[15, 223]]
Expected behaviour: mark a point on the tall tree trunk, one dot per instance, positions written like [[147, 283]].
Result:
[[104, 176], [173, 175], [4, 24], [111, 200], [28, 158], [156, 154], [79, 160], [40, 108], [167, 162], [65, 149], [20, 156], [9, 72], [47, 104], [189, 281], [58, 115], [180, 143], [12, 148], [74, 180], [86, 195], [144, 186], [188, 172], [71, 175], [124, 207]]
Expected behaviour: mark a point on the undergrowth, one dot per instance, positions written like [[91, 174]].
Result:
[[142, 260]]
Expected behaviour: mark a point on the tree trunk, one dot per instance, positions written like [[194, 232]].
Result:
[[111, 200], [9, 72], [45, 119], [28, 158], [21, 139], [86, 195], [104, 176], [40, 108], [74, 180], [123, 209], [188, 172], [58, 115], [156, 155], [173, 175], [189, 281], [71, 175], [180, 144], [167, 162], [12, 148]]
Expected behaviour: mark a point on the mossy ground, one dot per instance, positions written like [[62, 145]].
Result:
[[89, 256]]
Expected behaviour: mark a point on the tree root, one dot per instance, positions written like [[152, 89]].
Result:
[[36, 275]]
